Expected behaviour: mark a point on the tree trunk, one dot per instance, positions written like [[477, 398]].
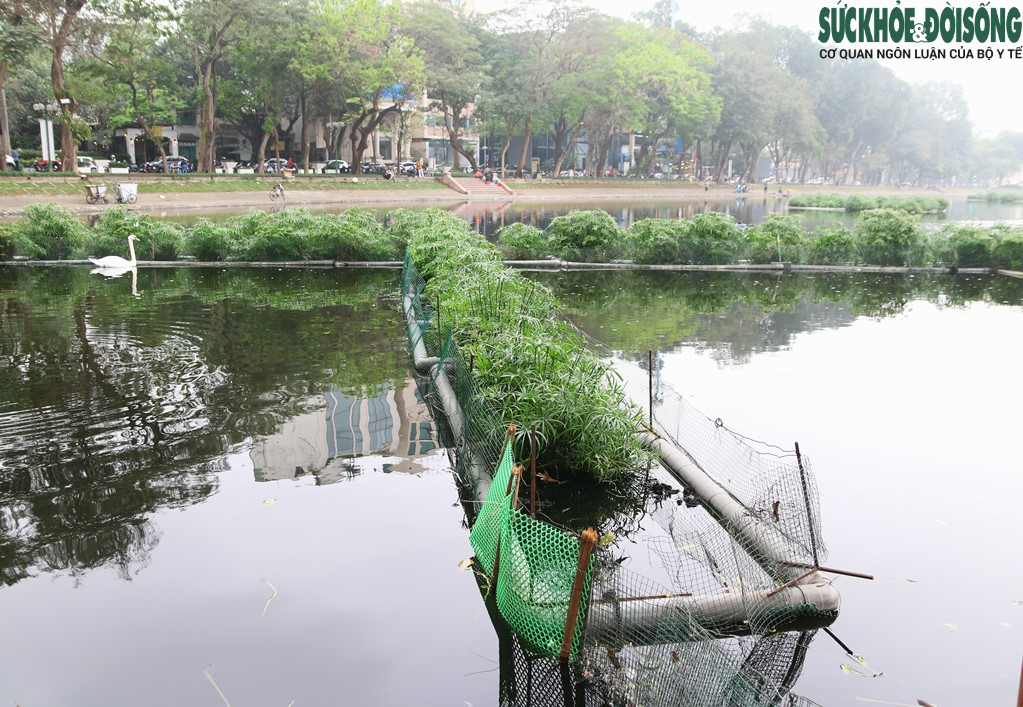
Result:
[[525, 147]]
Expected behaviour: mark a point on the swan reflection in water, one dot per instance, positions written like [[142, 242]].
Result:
[[118, 272]]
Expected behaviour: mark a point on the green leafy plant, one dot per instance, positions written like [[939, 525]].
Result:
[[586, 236], [48, 232], [832, 245], [521, 241], [657, 240], [713, 238], [778, 239], [531, 365], [888, 237]]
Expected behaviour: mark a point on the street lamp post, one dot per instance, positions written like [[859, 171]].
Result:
[[46, 112], [332, 126]]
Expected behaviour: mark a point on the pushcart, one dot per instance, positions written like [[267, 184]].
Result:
[[96, 192], [127, 193]]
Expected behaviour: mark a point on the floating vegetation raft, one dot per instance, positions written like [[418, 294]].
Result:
[[859, 202], [531, 366]]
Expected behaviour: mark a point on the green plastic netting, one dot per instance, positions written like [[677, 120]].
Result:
[[536, 567]]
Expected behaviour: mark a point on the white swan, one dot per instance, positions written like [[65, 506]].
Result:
[[116, 261]]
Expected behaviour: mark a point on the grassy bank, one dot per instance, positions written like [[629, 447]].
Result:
[[45, 185]]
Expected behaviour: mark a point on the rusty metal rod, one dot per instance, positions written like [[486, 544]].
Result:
[[587, 541]]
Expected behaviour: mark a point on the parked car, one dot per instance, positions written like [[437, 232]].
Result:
[[87, 165], [275, 164], [335, 166], [407, 168], [373, 167], [175, 164]]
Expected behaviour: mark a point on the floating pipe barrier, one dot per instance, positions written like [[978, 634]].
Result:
[[815, 599]]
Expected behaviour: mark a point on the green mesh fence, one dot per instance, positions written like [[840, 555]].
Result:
[[536, 567]]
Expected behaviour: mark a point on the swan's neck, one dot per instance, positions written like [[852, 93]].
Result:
[[131, 249]]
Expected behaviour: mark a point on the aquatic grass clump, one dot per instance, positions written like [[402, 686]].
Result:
[[530, 365], [656, 240], [281, 236], [521, 241], [353, 234], [208, 241], [713, 238], [964, 246], [586, 236], [777, 239], [832, 245], [863, 202], [889, 237], [48, 232], [1007, 252], [158, 239]]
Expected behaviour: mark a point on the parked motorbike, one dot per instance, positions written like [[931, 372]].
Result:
[[41, 165]]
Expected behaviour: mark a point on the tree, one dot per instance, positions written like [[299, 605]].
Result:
[[454, 66], [133, 58], [58, 18], [209, 28], [260, 91], [376, 69], [670, 84]]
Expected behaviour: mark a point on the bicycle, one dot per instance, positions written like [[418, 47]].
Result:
[[277, 191]]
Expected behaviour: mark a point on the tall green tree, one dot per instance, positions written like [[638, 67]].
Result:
[[133, 61], [376, 68], [209, 29], [454, 64]]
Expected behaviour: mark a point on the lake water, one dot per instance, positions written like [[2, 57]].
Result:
[[223, 480]]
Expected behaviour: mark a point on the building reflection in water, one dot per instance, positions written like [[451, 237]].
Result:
[[347, 435]]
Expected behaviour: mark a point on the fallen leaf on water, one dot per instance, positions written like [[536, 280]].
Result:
[[465, 564], [1005, 624], [951, 627], [1017, 602], [269, 501]]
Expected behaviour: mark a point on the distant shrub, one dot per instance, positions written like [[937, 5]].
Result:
[[861, 202]]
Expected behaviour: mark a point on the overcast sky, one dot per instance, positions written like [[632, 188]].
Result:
[[993, 88]]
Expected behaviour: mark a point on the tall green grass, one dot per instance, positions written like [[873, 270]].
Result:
[[531, 365]]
